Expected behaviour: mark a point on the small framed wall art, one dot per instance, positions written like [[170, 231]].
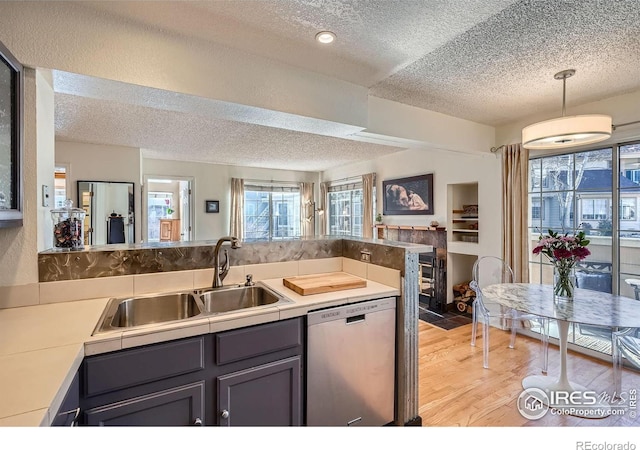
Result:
[[212, 206]]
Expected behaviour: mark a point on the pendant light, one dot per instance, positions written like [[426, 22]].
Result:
[[567, 131]]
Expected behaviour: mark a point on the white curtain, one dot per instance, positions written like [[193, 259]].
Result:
[[237, 208], [323, 215], [368, 184], [307, 210], [515, 210]]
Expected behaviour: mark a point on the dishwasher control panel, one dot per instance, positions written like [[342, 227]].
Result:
[[352, 309]]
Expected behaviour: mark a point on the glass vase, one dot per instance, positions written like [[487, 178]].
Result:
[[564, 283]]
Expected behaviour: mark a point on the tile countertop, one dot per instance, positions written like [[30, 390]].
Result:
[[42, 347]]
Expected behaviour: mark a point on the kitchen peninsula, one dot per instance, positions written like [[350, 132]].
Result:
[[39, 351]]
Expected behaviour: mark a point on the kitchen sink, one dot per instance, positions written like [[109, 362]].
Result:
[[222, 300], [131, 312]]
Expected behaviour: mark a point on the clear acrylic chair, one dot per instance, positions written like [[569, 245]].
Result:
[[489, 270], [625, 343]]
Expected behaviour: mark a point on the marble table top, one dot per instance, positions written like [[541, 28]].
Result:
[[587, 307]]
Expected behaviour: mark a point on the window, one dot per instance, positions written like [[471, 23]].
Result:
[[59, 187], [345, 209], [271, 212], [595, 209], [537, 208], [633, 175], [158, 206], [628, 208], [583, 184]]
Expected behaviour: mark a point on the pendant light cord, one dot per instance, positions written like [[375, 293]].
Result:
[[564, 95]]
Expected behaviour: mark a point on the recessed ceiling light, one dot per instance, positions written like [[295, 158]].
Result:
[[325, 37]]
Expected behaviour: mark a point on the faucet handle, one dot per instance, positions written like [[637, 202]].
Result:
[[249, 280]]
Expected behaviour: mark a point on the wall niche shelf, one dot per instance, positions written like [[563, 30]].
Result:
[[463, 222]]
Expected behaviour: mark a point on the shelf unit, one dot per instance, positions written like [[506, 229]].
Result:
[[463, 235], [463, 226]]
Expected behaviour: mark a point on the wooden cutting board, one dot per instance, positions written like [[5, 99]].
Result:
[[323, 282]]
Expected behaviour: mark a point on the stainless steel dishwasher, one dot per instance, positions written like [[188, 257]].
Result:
[[351, 364]]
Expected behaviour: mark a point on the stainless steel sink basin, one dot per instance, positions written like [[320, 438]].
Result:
[[130, 312], [146, 310], [221, 300]]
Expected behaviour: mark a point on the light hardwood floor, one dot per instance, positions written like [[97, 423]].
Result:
[[455, 390]]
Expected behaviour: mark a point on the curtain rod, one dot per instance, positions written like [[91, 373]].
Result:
[[495, 149], [354, 178], [624, 124], [247, 180]]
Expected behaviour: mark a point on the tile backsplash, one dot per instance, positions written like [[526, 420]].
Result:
[[70, 276], [101, 263], [71, 290]]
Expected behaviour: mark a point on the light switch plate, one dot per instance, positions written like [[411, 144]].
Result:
[[45, 195]]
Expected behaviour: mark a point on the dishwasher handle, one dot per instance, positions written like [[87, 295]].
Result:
[[355, 319]]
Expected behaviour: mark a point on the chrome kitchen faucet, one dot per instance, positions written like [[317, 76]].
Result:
[[221, 272]]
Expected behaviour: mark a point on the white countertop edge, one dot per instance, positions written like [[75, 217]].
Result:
[[64, 387]]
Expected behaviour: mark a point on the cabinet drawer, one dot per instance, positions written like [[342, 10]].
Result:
[[258, 340], [106, 373]]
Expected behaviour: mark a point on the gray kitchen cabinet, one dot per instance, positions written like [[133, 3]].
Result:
[[267, 395], [179, 406], [259, 375], [156, 385], [253, 373]]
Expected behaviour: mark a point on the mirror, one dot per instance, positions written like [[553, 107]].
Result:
[[109, 211], [10, 139]]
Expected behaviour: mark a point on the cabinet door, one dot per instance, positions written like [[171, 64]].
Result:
[[266, 395], [165, 230], [180, 406], [175, 230]]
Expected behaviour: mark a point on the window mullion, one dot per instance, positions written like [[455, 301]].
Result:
[[270, 215], [615, 220]]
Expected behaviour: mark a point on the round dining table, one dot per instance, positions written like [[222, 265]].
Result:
[[587, 307]]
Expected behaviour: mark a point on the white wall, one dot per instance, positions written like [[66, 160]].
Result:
[[425, 130], [45, 156], [447, 168], [19, 245], [213, 182], [90, 162]]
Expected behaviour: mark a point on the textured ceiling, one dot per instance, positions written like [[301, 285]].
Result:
[[182, 136], [489, 61], [503, 68], [375, 37]]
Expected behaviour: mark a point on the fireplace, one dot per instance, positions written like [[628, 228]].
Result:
[[431, 277], [433, 266]]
